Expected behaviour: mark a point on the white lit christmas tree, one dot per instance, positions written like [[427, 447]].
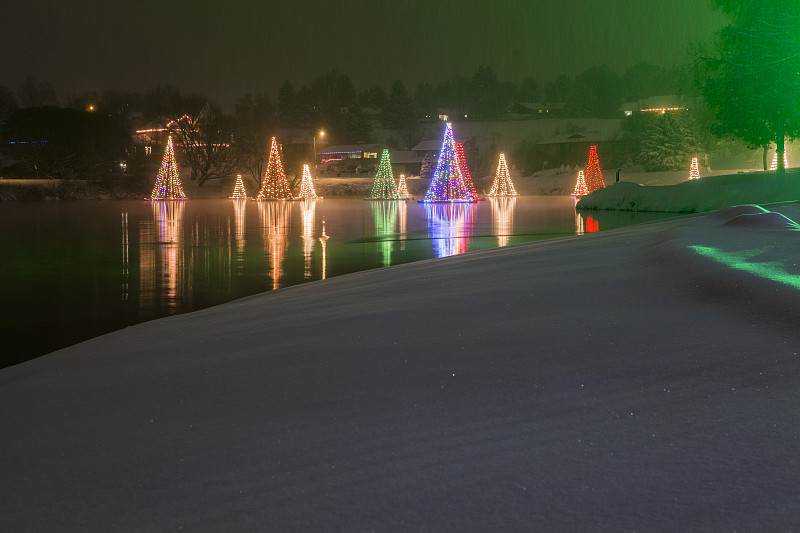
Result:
[[306, 187], [502, 185], [384, 186], [694, 170], [447, 184], [275, 185], [402, 187], [774, 165], [168, 182], [238, 189], [580, 186]]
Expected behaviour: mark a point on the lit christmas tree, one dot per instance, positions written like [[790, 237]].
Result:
[[168, 182], [447, 184], [384, 186], [306, 187], [580, 186], [275, 185], [402, 188], [502, 185], [694, 170], [774, 165], [462, 164], [238, 189], [594, 177]]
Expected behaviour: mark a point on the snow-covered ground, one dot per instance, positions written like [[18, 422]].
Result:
[[643, 378]]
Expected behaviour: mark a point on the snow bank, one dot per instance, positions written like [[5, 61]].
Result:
[[623, 380], [696, 196]]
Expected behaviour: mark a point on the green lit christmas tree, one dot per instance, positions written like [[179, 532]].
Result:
[[384, 187]]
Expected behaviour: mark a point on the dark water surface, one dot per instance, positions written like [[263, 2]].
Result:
[[70, 271]]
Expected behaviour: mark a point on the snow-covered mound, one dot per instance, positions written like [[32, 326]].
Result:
[[697, 196]]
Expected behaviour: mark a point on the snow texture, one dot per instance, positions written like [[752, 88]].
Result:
[[616, 381]]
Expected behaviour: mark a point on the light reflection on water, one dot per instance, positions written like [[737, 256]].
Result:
[[98, 274]]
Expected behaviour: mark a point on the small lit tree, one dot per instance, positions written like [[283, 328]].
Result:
[[238, 189], [275, 185], [502, 186], [462, 163], [306, 186], [168, 182], [594, 177], [694, 170], [580, 186], [384, 186], [402, 187]]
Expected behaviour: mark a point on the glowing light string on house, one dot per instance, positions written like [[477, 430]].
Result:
[[275, 186], [694, 170], [384, 186], [168, 182], [466, 176], [502, 185], [447, 184], [580, 185], [594, 177], [238, 189], [306, 186]]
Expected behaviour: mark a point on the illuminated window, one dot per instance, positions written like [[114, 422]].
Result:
[[148, 150]]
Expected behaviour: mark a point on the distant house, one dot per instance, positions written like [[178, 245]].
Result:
[[540, 109], [406, 162], [573, 148], [658, 104], [350, 157]]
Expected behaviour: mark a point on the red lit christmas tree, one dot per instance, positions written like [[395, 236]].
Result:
[[594, 177], [384, 186], [306, 186], [275, 185], [168, 182], [580, 186], [462, 164], [238, 189], [502, 185], [447, 184]]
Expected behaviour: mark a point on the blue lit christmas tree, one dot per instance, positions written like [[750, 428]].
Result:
[[384, 187], [447, 184]]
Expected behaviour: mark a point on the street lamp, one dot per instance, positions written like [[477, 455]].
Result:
[[321, 134]]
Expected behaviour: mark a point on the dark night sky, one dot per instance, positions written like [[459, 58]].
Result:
[[225, 49]]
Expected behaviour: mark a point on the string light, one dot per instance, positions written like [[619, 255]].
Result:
[[462, 164], [307, 210], [238, 189], [774, 165], [502, 186], [594, 177], [168, 182], [275, 185], [449, 225], [580, 186], [447, 184], [306, 187], [503, 218], [384, 186], [402, 187], [694, 170]]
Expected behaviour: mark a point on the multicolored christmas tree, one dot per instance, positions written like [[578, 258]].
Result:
[[384, 186], [275, 185], [462, 164], [447, 184], [580, 186], [594, 177], [402, 187], [238, 189], [168, 182], [306, 186], [502, 186], [694, 170]]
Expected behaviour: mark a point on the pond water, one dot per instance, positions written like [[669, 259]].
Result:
[[70, 271]]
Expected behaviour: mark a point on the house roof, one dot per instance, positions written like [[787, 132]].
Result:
[[350, 149], [401, 157], [428, 145]]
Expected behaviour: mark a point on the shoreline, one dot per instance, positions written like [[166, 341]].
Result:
[[613, 380]]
